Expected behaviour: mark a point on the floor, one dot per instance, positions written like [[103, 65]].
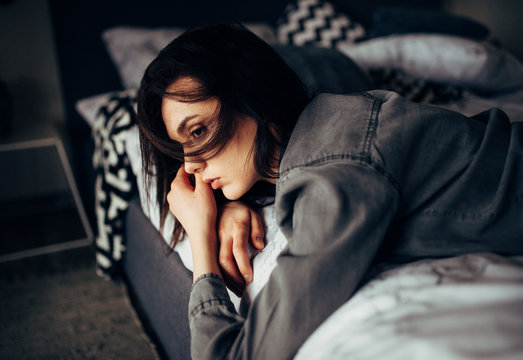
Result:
[[26, 223], [57, 307]]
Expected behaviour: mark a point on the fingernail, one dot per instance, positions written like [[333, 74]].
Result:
[[247, 278]]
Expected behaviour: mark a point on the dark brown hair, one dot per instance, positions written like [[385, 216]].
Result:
[[245, 74]]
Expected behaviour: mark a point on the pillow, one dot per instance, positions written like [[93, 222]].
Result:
[[398, 20], [117, 160], [416, 89], [89, 107], [316, 22], [132, 48], [441, 58], [115, 183], [324, 70]]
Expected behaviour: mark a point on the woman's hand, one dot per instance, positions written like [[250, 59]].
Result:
[[238, 225], [195, 208]]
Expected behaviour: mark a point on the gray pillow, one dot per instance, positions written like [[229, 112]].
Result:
[[443, 59], [133, 48]]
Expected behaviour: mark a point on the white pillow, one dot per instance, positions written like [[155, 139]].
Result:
[[133, 48], [441, 58]]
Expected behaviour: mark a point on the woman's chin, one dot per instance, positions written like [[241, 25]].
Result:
[[231, 194], [231, 197]]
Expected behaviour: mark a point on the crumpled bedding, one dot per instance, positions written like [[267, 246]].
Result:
[[466, 307]]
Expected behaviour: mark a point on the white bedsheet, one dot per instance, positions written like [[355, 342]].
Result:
[[467, 307]]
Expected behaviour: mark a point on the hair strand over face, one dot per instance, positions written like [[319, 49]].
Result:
[[245, 75]]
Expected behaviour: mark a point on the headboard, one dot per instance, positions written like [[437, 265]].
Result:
[[86, 68]]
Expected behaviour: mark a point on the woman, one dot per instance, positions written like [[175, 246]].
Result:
[[358, 178]]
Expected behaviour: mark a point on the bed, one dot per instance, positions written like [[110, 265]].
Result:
[[466, 307]]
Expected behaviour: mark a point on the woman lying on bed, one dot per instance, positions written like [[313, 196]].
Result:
[[357, 177]]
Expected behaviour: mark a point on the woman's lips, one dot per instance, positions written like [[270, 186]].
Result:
[[216, 183]]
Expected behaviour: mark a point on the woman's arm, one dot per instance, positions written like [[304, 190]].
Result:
[[195, 208], [335, 216]]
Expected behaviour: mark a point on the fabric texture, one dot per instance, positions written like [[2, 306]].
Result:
[[316, 22], [324, 70], [416, 89], [133, 48], [90, 107], [365, 188], [159, 282], [465, 307], [115, 183], [445, 59], [398, 20]]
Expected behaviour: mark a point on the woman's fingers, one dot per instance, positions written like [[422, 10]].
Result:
[[182, 177], [228, 265], [240, 249], [193, 206], [236, 288], [238, 226], [203, 188], [257, 230]]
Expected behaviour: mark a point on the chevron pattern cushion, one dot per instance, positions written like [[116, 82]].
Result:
[[316, 22]]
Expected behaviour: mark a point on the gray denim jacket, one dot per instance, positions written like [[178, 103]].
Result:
[[365, 176]]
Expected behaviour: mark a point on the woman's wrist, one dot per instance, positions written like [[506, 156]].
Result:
[[205, 254]]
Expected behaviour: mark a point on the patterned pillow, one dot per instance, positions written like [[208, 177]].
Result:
[[316, 22], [115, 182]]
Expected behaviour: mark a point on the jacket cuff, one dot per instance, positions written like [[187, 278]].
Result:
[[207, 291]]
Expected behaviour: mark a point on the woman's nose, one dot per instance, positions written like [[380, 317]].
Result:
[[193, 167]]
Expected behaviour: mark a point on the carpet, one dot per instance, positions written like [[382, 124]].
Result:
[[73, 314]]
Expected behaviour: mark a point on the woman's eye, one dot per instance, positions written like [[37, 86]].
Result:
[[196, 133]]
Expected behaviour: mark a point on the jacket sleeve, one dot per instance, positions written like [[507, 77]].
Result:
[[335, 216]]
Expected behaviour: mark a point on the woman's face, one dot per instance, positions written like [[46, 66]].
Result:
[[232, 170]]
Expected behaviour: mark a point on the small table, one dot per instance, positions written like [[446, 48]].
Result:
[[39, 139]]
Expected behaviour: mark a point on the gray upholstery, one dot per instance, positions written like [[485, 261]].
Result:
[[160, 284]]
